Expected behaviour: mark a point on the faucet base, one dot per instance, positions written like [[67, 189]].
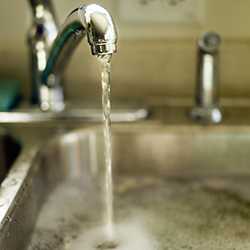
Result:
[[51, 99], [206, 115]]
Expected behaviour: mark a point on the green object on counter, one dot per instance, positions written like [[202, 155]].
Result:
[[10, 94]]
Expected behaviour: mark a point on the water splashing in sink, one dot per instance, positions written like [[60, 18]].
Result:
[[108, 184]]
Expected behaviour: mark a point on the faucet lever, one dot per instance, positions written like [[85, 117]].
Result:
[[206, 108], [41, 36]]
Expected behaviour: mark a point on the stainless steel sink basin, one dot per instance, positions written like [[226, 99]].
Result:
[[182, 187]]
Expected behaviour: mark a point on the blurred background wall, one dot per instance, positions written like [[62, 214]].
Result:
[[156, 57]]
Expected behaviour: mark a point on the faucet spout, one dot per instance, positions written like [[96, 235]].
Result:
[[100, 28], [92, 21]]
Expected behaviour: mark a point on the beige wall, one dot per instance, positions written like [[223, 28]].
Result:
[[152, 59]]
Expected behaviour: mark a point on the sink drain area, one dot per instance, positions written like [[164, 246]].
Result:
[[151, 214]]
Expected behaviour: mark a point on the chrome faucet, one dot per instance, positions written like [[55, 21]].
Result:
[[206, 108], [51, 49]]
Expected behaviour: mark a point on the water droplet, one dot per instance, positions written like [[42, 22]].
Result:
[[2, 203], [12, 182], [107, 245], [8, 218]]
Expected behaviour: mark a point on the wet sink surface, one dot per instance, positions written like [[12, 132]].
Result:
[[175, 188], [150, 214]]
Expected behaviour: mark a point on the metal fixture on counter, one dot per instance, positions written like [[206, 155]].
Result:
[[41, 36], [206, 109], [51, 50]]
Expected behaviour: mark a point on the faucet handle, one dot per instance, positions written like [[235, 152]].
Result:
[[209, 42]]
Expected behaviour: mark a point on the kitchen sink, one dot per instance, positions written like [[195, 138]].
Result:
[[175, 187]]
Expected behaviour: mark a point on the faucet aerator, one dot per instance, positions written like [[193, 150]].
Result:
[[103, 49]]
